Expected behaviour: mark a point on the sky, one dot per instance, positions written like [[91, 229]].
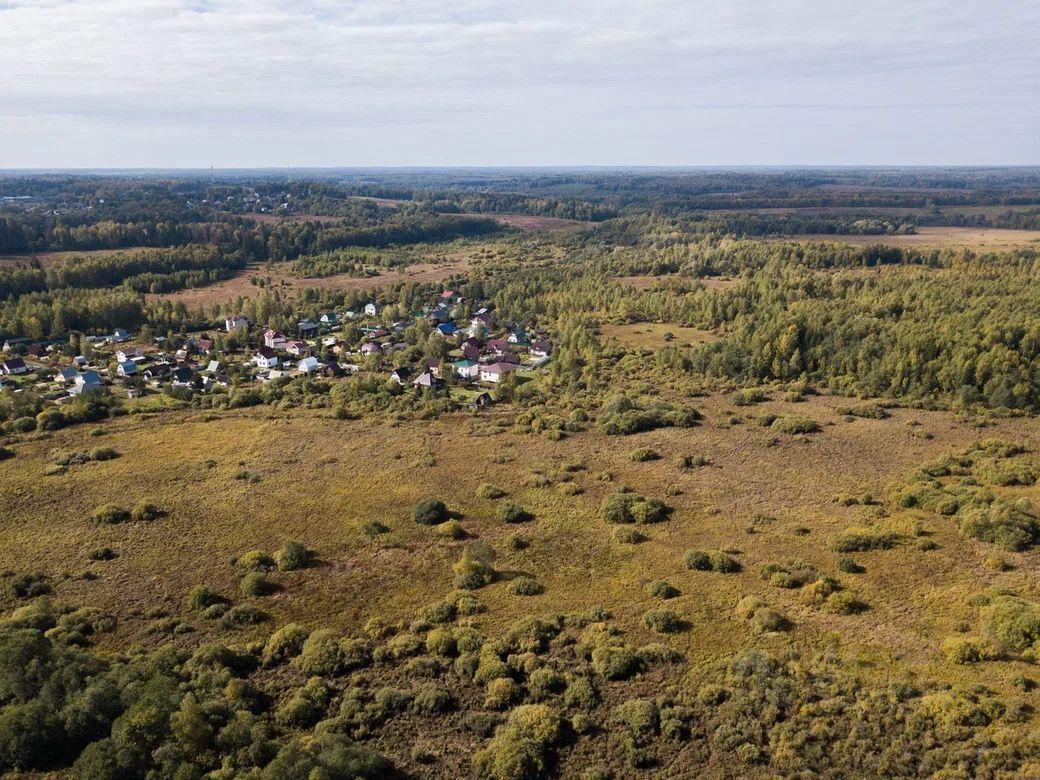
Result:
[[272, 83]]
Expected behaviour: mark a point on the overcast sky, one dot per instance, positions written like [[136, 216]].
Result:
[[240, 83]]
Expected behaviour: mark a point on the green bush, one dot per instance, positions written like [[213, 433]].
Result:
[[284, 644], [111, 514], [200, 597], [430, 511], [714, 560], [292, 556], [255, 560], [23, 425], [256, 584], [660, 589], [489, 491], [663, 621], [144, 511], [501, 693], [794, 423], [644, 454], [862, 539], [474, 569], [30, 585], [432, 699], [520, 748], [627, 508], [103, 453], [627, 535], [306, 705], [509, 512], [526, 586], [614, 663]]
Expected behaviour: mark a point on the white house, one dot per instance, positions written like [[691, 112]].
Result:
[[265, 358], [13, 366], [297, 348], [127, 368], [308, 365], [233, 323], [466, 369], [126, 355], [273, 339], [496, 372], [371, 309]]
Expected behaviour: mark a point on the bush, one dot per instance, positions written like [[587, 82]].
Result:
[[794, 423], [23, 425], [614, 663], [714, 560], [526, 586], [644, 454], [663, 621], [474, 569], [307, 704], [627, 508], [966, 650], [103, 453], [520, 748], [510, 512], [849, 566], [441, 641], [292, 556], [640, 717], [30, 585], [660, 589], [766, 619], [284, 644], [489, 491], [452, 530], [580, 694], [544, 683], [430, 511], [111, 514], [256, 584], [502, 692], [145, 510], [325, 652], [432, 699], [626, 535], [241, 616], [862, 539], [200, 597], [103, 554], [255, 560]]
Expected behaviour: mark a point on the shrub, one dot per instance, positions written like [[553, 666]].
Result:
[[751, 395], [849, 566], [489, 491], [627, 535], [663, 621], [967, 650], [640, 717], [200, 597], [23, 425], [284, 644], [794, 423], [327, 653], [292, 556], [103, 453], [526, 586], [474, 569], [544, 683], [766, 619], [501, 692], [307, 704], [862, 539], [441, 641], [30, 585], [661, 590], [714, 560], [111, 514], [746, 607], [430, 511], [510, 512], [256, 584], [844, 602], [145, 511], [580, 694], [632, 508], [243, 615], [255, 560], [453, 530], [614, 663], [520, 748], [644, 454], [432, 699], [103, 554]]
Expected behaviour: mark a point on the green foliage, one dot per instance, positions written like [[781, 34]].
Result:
[[520, 749], [510, 512], [292, 556], [621, 416], [713, 560], [632, 508], [111, 514], [430, 511], [794, 423], [663, 621], [489, 491], [863, 539], [256, 584]]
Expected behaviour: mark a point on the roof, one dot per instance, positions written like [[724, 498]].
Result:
[[264, 352], [500, 368], [14, 363]]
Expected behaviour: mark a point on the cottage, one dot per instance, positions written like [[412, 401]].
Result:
[[496, 372], [518, 336], [297, 348], [371, 348], [333, 370], [469, 352], [273, 339], [13, 366], [213, 367], [265, 358], [466, 369], [447, 328], [329, 319], [308, 365], [433, 365], [182, 376], [86, 383], [66, 375], [307, 328], [119, 335], [371, 309], [402, 375], [481, 401], [127, 368], [498, 346], [204, 345], [427, 381], [236, 322], [540, 349], [509, 357], [126, 355], [36, 350]]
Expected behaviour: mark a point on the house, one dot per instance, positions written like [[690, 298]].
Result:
[[182, 376], [213, 367], [13, 366], [447, 328], [496, 372], [36, 350], [433, 365], [127, 355], [540, 349], [440, 314], [66, 375], [236, 322], [265, 358], [469, 352], [333, 370], [498, 346], [273, 339], [509, 357], [308, 365], [466, 369], [79, 360], [127, 368], [157, 372], [402, 375], [371, 348], [297, 348], [119, 335], [518, 336], [307, 328], [204, 345], [10, 344], [371, 309], [329, 319], [483, 318], [482, 401], [427, 381], [86, 383]]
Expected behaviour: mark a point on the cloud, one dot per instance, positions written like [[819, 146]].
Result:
[[240, 82]]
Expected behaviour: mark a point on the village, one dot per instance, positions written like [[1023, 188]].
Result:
[[453, 344]]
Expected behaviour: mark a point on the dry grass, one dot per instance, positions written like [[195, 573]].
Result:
[[48, 259], [354, 476], [979, 239], [651, 335]]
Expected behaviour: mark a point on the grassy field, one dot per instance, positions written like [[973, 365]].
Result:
[[653, 335], [978, 239], [50, 258]]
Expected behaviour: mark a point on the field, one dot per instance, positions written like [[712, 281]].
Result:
[[654, 335], [978, 239], [50, 258], [359, 473]]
